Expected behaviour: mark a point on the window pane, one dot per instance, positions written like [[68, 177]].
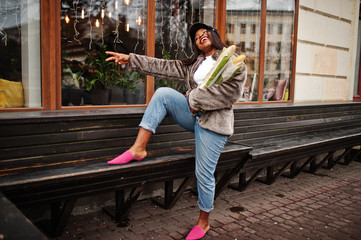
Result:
[[20, 69], [88, 29], [279, 50], [173, 20], [243, 30]]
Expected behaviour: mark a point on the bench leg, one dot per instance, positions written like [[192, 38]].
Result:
[[314, 165], [122, 206], [60, 214], [351, 156], [295, 170], [332, 162], [243, 183], [272, 176], [171, 197], [356, 156]]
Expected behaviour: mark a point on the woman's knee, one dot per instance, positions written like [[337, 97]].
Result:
[[164, 91]]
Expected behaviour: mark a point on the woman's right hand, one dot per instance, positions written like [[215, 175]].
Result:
[[118, 58]]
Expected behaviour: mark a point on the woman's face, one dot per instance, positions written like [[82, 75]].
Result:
[[203, 42]]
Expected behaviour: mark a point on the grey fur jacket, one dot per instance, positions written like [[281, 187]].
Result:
[[216, 100]]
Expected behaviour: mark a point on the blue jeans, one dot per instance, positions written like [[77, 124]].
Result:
[[209, 145]]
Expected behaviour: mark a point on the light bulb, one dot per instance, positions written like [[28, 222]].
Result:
[[127, 2], [67, 19], [103, 13], [82, 13], [116, 4], [97, 24], [127, 27], [110, 14], [139, 21]]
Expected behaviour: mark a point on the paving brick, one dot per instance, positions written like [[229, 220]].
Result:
[[310, 206], [231, 227]]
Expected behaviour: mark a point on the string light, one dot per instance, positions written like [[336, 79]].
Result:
[[102, 13], [116, 4], [102, 16], [110, 14], [76, 32], [127, 27], [116, 32], [97, 24], [184, 39], [82, 13], [139, 21], [90, 26], [18, 6], [127, 2], [67, 19], [170, 29], [161, 27], [2, 30], [177, 30], [143, 29]]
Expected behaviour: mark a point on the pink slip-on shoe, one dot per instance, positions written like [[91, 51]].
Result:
[[196, 233], [126, 157]]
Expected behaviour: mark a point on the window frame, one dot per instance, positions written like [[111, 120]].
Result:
[[51, 55]]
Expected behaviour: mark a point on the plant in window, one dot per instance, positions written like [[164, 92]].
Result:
[[129, 81], [100, 75]]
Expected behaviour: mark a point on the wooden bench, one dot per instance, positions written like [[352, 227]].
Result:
[[290, 138], [56, 157], [14, 225]]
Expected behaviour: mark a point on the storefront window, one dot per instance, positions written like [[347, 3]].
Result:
[[279, 51], [20, 66], [245, 16], [173, 20], [88, 29]]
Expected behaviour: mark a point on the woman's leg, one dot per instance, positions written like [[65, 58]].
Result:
[[209, 146], [165, 101]]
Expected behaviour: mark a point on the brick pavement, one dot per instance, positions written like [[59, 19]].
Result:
[[325, 205]]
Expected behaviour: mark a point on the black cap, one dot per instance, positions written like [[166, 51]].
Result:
[[196, 26]]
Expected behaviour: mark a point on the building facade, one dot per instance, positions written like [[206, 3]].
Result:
[[54, 51]]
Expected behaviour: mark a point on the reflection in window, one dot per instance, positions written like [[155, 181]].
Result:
[[243, 28], [253, 28], [241, 14], [280, 54], [88, 29], [173, 20], [278, 47], [20, 70]]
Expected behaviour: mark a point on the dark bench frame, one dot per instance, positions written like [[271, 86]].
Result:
[[14, 225], [294, 137], [60, 178], [261, 143]]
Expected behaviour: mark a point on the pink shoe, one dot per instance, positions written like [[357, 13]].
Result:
[[126, 157], [196, 233]]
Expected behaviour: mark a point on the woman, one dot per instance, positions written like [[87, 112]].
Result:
[[211, 127]]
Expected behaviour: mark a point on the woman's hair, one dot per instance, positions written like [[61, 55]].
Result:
[[216, 42]]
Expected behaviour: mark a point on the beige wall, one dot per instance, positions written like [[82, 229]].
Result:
[[327, 35]]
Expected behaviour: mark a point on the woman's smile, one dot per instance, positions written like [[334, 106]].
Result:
[[203, 39]]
